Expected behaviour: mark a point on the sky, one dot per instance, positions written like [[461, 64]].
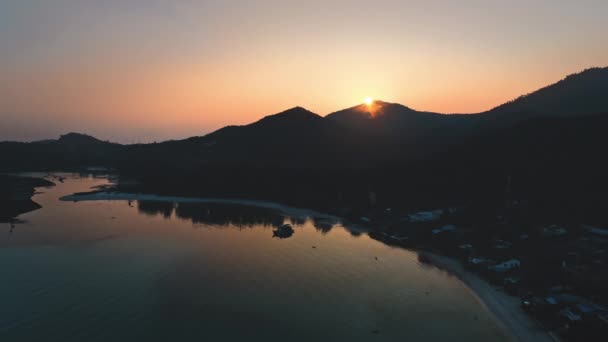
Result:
[[151, 70]]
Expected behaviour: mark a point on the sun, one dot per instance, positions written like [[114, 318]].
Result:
[[368, 101]]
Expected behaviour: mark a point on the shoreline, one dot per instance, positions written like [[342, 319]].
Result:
[[126, 196], [506, 309]]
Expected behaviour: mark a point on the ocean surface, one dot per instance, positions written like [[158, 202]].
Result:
[[164, 271]]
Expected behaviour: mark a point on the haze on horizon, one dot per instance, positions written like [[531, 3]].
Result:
[[139, 71]]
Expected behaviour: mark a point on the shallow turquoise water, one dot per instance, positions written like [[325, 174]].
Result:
[[155, 271]]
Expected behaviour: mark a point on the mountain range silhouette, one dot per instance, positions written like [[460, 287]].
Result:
[[553, 138]]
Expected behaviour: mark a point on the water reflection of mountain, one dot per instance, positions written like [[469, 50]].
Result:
[[153, 208], [322, 225], [236, 215], [215, 214]]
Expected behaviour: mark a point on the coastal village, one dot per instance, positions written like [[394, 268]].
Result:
[[558, 271]]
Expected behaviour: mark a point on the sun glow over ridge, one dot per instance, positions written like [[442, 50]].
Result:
[[368, 101]]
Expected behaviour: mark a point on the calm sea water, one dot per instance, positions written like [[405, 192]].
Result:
[[162, 271]]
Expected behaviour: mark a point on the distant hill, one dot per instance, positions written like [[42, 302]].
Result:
[[360, 136], [392, 130], [293, 137], [79, 139], [379, 111], [584, 93], [70, 151], [382, 119]]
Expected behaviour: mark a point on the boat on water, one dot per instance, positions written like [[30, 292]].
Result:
[[283, 231]]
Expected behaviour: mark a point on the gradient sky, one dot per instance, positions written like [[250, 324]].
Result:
[[133, 71]]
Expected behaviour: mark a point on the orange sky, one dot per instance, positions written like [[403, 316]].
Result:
[[153, 70]]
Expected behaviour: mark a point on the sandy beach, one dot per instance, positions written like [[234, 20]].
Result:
[[506, 308]]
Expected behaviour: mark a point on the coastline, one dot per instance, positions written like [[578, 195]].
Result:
[[505, 308], [125, 196]]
